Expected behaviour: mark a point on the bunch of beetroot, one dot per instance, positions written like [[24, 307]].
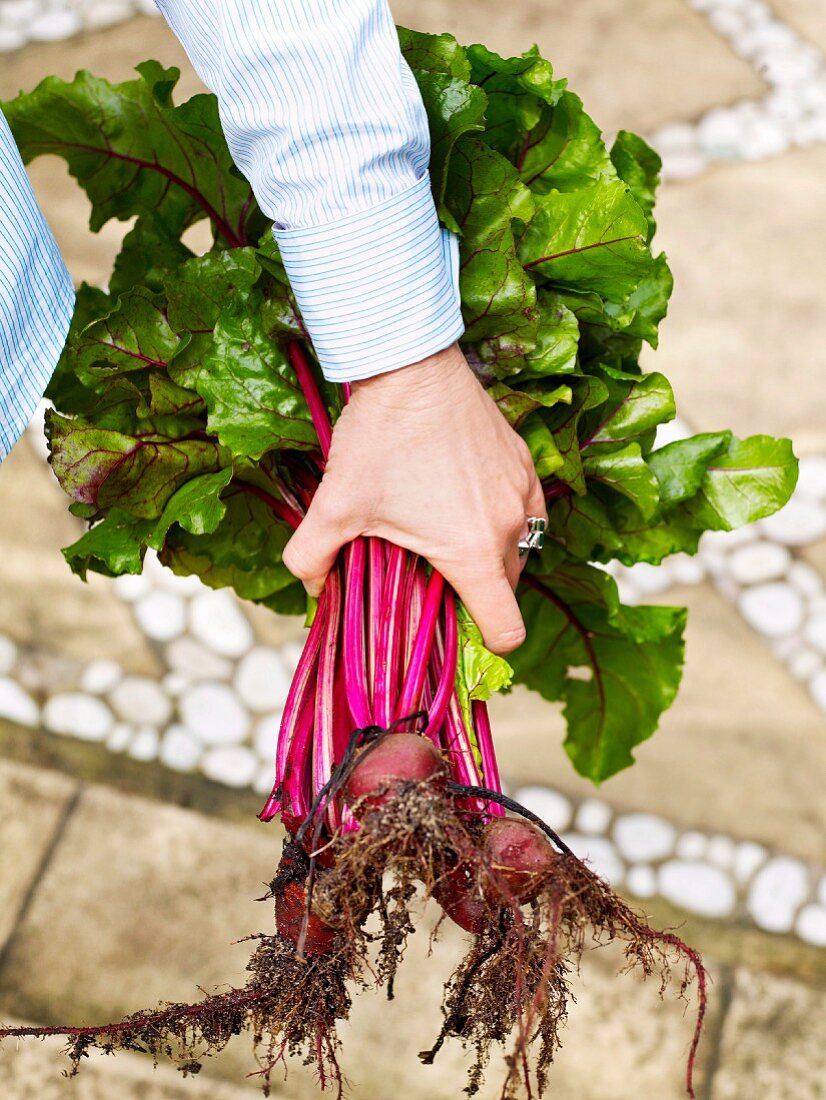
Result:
[[388, 787]]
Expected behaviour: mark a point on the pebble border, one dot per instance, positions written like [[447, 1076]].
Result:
[[216, 708]]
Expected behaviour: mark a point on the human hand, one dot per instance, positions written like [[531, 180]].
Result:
[[423, 458]]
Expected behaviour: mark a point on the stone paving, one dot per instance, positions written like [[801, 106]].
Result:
[[734, 93]]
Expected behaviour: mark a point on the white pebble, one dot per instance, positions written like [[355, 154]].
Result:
[[233, 765], [142, 701], [804, 664], [175, 683], [161, 615], [797, 524], [264, 780], [599, 853], [786, 105], [101, 676], [122, 733], [291, 655], [817, 688], [214, 715], [723, 542], [765, 138], [791, 67], [8, 654], [721, 851], [772, 609], [720, 133], [672, 431], [54, 26], [105, 13], [815, 632], [19, 13], [729, 589], [11, 39], [16, 704], [785, 648], [692, 845], [683, 166], [697, 887], [78, 715], [678, 137], [179, 750], [262, 679], [147, 7], [777, 892], [650, 579], [759, 561], [160, 577], [748, 857], [144, 745], [554, 808], [644, 837], [805, 578], [593, 816], [821, 891], [131, 586], [194, 660], [265, 736], [811, 925], [686, 570], [217, 620], [811, 481], [642, 881], [727, 21]]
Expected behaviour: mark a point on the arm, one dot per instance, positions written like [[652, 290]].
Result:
[[323, 116]]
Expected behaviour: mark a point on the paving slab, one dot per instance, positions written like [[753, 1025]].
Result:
[[807, 17], [745, 739], [29, 1071], [140, 902], [636, 63], [746, 332], [773, 1042], [32, 806], [42, 603]]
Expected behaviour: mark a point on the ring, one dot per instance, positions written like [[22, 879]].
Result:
[[535, 538]]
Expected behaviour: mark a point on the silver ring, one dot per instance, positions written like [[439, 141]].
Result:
[[535, 538]]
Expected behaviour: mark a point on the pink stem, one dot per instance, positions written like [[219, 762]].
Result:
[[463, 758], [354, 657], [420, 657], [490, 767], [325, 711], [375, 600], [387, 662], [318, 410], [447, 677]]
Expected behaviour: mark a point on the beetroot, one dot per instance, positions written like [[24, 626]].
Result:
[[290, 914], [382, 769], [520, 856]]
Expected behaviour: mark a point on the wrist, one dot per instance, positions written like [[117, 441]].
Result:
[[447, 370]]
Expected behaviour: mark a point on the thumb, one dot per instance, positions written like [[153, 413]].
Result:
[[491, 604], [313, 549]]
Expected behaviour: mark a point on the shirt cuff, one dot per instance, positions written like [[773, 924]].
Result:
[[378, 290]]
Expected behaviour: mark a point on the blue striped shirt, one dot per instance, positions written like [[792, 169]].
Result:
[[323, 116]]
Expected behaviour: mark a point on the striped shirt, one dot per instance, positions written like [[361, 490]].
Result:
[[324, 118]]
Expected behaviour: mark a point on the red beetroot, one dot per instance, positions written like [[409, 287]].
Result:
[[290, 910], [520, 854], [461, 899], [398, 758]]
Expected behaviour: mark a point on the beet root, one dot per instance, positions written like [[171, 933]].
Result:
[[381, 769]]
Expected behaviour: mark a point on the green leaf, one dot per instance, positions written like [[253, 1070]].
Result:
[[150, 251], [453, 108], [254, 401], [132, 152], [564, 151], [636, 405], [498, 298], [199, 290], [680, 467], [434, 53], [625, 471], [111, 469], [516, 405], [540, 440], [615, 668], [112, 547], [591, 239], [639, 166], [197, 507], [242, 552], [479, 673], [557, 339], [135, 336], [752, 479]]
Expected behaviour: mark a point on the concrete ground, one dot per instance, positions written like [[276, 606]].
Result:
[[122, 884]]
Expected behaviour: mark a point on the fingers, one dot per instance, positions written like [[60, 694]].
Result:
[[535, 505], [488, 596], [313, 549]]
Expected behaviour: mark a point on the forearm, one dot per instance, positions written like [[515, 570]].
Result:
[[323, 116]]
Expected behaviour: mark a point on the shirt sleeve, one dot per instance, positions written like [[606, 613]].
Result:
[[323, 116]]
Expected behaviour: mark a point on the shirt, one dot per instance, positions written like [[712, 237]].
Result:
[[323, 116]]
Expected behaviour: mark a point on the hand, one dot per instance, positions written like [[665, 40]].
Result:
[[422, 457]]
